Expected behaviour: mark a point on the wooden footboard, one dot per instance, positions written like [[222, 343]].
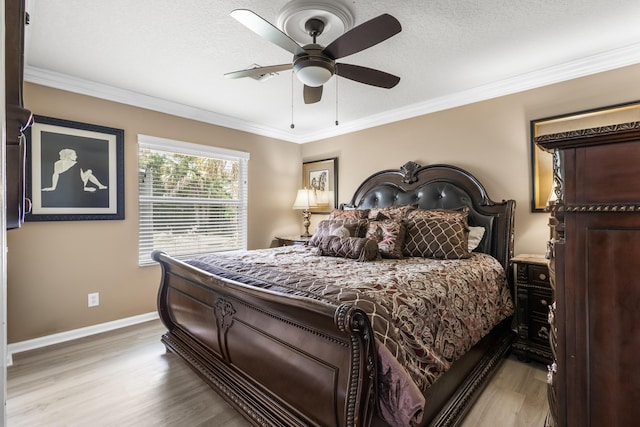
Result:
[[280, 360]]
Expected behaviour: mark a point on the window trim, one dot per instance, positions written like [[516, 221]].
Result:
[[154, 142]]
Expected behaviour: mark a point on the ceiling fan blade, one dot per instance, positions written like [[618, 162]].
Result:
[[368, 76], [363, 36], [312, 94], [266, 30], [258, 71]]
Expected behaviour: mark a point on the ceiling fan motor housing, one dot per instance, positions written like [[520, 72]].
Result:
[[313, 69]]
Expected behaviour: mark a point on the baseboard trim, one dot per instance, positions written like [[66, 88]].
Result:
[[61, 337]]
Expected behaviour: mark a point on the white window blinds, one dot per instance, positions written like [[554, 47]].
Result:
[[192, 198]]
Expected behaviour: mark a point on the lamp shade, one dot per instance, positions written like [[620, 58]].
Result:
[[553, 197], [305, 199], [325, 198]]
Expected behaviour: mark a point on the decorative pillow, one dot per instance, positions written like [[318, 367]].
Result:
[[444, 214], [339, 227], [438, 234], [390, 236], [475, 237], [352, 214], [358, 248], [397, 213]]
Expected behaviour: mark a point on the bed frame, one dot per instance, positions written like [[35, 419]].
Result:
[[283, 360]]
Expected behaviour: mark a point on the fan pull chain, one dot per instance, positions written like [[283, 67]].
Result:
[[337, 123], [292, 125]]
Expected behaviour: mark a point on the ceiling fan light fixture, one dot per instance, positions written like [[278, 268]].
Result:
[[314, 72], [315, 64]]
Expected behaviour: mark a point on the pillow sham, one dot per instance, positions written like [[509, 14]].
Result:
[[390, 235], [475, 237], [445, 214], [397, 213], [338, 227], [358, 248], [438, 234], [352, 214]]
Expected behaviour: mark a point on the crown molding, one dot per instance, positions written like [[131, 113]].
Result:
[[606, 61], [110, 93]]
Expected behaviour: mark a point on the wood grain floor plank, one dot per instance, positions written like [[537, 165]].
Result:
[[125, 378]]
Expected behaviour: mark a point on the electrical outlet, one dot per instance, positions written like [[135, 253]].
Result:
[[93, 299]]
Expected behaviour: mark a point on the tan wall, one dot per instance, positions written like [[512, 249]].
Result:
[[52, 266], [490, 139]]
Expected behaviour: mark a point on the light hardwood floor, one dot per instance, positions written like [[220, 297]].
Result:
[[125, 378]]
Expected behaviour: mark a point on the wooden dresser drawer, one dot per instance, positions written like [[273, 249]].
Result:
[[539, 275], [533, 298], [539, 301], [539, 331]]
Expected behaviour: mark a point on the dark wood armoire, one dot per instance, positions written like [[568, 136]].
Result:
[[595, 271], [18, 117]]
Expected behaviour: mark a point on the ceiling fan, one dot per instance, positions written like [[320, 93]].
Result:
[[314, 64]]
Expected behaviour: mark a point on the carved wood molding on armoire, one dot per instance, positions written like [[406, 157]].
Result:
[[594, 256]]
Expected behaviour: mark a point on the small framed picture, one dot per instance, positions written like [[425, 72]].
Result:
[[74, 171], [321, 176]]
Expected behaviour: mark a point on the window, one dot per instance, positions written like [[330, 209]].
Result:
[[192, 199]]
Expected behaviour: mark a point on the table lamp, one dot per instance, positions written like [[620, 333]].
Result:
[[305, 200]]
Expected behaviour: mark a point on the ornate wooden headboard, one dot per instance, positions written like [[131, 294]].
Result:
[[442, 187]]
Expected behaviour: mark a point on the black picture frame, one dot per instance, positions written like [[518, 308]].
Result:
[[86, 162]]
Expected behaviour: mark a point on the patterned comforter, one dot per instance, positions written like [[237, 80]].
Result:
[[427, 313]]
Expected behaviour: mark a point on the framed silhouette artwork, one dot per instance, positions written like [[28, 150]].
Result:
[[75, 171]]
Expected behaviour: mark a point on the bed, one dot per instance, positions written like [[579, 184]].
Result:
[[284, 355]]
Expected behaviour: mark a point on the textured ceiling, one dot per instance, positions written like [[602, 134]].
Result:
[[171, 55]]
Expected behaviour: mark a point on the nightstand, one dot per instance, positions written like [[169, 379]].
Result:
[[292, 240], [533, 298]]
